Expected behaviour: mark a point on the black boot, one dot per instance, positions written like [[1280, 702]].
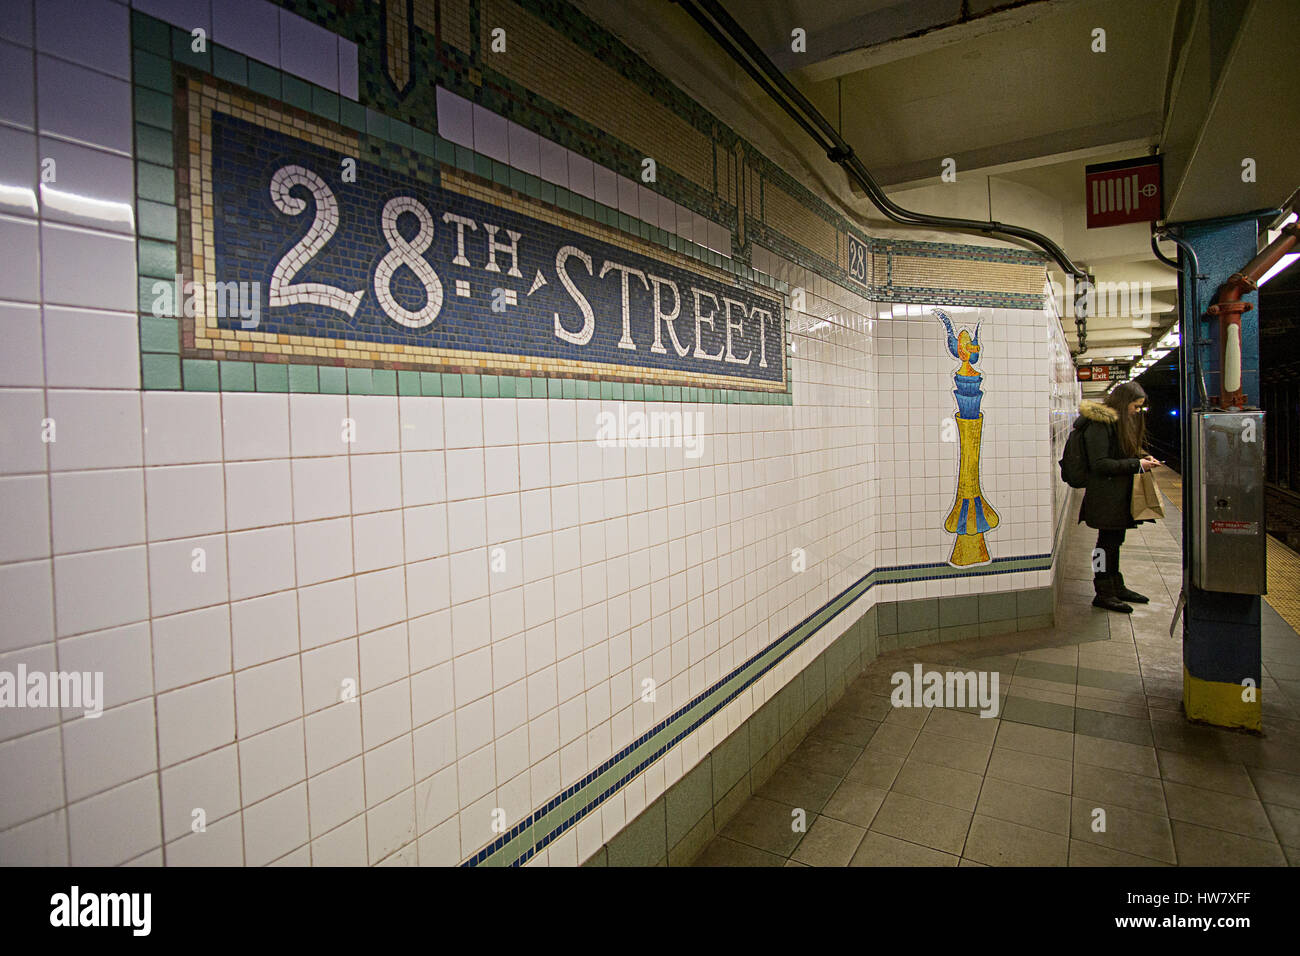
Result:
[[1124, 594], [1106, 598]]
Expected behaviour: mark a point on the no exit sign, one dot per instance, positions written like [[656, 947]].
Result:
[[1123, 192]]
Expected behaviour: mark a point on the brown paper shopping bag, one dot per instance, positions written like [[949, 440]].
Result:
[[1147, 505]]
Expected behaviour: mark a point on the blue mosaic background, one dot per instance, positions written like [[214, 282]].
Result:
[[251, 236]]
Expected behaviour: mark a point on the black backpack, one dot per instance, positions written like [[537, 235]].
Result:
[[1074, 461]]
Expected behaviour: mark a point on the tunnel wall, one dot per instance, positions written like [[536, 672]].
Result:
[[362, 601]]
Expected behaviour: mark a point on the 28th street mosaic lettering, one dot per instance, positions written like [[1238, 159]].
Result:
[[396, 261]]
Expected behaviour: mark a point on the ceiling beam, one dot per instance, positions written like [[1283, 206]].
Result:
[[908, 29]]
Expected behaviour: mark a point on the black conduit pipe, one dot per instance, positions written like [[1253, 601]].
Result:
[[1184, 249], [1155, 248], [720, 26]]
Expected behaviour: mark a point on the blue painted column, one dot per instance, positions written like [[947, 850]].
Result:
[[1221, 631]]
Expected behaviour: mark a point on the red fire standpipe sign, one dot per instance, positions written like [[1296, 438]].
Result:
[[1123, 192]]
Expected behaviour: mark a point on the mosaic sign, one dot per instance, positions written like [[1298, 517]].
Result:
[[351, 261], [857, 259]]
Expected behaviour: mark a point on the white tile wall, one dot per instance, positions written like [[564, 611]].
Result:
[[304, 637]]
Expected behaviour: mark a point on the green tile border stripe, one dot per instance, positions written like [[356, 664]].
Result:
[[563, 811]]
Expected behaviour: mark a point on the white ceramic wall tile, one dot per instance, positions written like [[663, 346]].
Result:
[[554, 164], [221, 844], [82, 104], [20, 279], [102, 39], [97, 509], [21, 362], [261, 561], [309, 51], [348, 68], [264, 629], [91, 349], [275, 826], [184, 574], [102, 752], [100, 589], [19, 168], [581, 175], [181, 428], [251, 27], [258, 493], [186, 14], [17, 24], [321, 488], [525, 149], [647, 205], [455, 118], [28, 617], [271, 762], [490, 136], [117, 826], [25, 513], [255, 425], [93, 429]]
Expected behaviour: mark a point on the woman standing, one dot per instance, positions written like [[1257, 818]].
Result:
[[1114, 436]]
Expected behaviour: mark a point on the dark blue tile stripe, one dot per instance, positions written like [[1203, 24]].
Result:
[[776, 652]]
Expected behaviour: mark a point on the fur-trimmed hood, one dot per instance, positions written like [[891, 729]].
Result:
[[1098, 412]]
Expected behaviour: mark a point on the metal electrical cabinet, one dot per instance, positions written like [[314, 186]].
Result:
[[1227, 521]]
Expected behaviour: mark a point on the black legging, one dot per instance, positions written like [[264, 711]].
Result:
[[1108, 542]]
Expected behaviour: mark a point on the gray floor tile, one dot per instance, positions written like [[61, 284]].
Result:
[[1028, 738], [1203, 846], [1197, 771], [938, 784], [879, 849], [799, 787], [1027, 806], [1033, 770], [847, 729], [854, 803], [1093, 854], [724, 852], [951, 752], [920, 821], [893, 739], [1116, 754], [829, 843], [1127, 830], [1274, 786], [876, 769], [766, 825], [1112, 726], [825, 756], [962, 725], [1107, 787], [1039, 713], [998, 842], [1286, 823]]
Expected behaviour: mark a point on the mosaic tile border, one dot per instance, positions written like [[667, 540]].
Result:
[[543, 826], [467, 73], [158, 49]]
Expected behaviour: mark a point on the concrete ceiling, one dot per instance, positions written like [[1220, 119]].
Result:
[[1016, 96]]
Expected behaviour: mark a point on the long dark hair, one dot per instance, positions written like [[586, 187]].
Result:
[[1132, 429]]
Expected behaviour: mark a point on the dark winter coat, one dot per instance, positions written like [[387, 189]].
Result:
[[1108, 499]]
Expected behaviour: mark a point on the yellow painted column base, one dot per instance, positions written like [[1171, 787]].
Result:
[[1219, 703], [969, 549]]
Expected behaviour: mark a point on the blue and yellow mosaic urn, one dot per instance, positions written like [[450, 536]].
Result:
[[971, 516]]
